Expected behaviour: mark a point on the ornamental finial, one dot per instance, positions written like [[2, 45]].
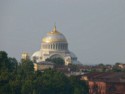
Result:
[[54, 29]]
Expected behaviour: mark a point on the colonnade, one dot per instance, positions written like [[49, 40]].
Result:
[[55, 46]]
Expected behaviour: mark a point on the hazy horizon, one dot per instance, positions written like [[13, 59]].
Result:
[[94, 29]]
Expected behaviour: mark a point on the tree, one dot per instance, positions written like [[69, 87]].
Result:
[[4, 82], [3, 56], [55, 82], [4, 63], [116, 67], [27, 66], [12, 64], [73, 67], [20, 78], [101, 64], [78, 86], [7, 63], [27, 87], [57, 61], [15, 86]]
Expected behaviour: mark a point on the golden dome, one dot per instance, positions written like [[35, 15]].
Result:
[[54, 36]]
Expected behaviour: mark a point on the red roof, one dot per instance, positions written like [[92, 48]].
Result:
[[107, 76]]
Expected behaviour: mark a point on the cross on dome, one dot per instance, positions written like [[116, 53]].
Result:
[[54, 29]]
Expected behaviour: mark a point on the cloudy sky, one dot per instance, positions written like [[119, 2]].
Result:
[[95, 29]]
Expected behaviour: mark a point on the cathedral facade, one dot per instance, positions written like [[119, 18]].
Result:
[[54, 45]]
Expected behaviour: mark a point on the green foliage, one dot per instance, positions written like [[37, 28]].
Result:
[[4, 63], [27, 87], [7, 63], [3, 55], [27, 66], [57, 61], [73, 67], [13, 64], [101, 64], [78, 86], [51, 82], [117, 68], [21, 79]]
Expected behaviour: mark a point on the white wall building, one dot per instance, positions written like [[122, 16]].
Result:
[[54, 45]]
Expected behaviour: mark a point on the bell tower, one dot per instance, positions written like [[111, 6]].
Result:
[[25, 56]]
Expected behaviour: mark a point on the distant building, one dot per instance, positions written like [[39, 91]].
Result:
[[105, 82], [55, 45], [96, 68], [43, 65], [122, 66]]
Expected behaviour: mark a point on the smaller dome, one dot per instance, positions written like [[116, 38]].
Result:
[[36, 56], [54, 36], [37, 53]]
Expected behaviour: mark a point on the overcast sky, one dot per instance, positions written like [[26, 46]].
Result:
[[95, 29]]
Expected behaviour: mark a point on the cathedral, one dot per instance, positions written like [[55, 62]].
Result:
[[54, 45]]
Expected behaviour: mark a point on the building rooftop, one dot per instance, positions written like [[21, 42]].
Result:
[[107, 76]]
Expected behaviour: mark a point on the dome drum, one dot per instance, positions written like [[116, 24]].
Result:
[[55, 46]]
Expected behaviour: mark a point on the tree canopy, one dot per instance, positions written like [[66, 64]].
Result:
[[57, 61], [20, 78]]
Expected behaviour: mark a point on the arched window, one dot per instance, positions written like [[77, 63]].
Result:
[[53, 46], [58, 46]]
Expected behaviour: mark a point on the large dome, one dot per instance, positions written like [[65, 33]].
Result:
[[54, 36], [54, 45]]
